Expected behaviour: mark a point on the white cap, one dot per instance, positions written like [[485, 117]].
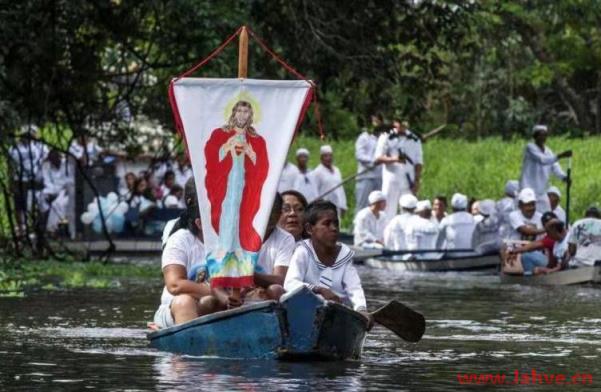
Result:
[[408, 201], [375, 197], [554, 190], [302, 151], [487, 207], [527, 195], [423, 205], [512, 187], [539, 128], [325, 149], [459, 201]]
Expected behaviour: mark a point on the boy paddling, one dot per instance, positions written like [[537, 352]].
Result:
[[324, 265]]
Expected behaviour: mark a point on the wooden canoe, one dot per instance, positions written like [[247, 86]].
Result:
[[447, 262], [575, 275], [301, 326]]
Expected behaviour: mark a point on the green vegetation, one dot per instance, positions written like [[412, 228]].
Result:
[[478, 169], [16, 278]]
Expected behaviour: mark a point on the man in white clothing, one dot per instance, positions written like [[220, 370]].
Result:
[[394, 233], [365, 148], [420, 232], [538, 163], [506, 206], [526, 221], [554, 201], [401, 153], [456, 230], [305, 181], [370, 222], [327, 176], [584, 239], [55, 200], [288, 177], [486, 233]]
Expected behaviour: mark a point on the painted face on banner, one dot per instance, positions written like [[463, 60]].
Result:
[[242, 115]]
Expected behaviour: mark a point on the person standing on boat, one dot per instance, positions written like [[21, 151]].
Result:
[[538, 164], [420, 232], [366, 183], [457, 229], [236, 168], [370, 222], [506, 206], [394, 233], [292, 218], [275, 254], [327, 177], [305, 181], [183, 258], [400, 151], [554, 200], [585, 239], [323, 264]]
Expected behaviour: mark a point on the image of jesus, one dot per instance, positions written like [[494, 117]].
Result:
[[236, 168]]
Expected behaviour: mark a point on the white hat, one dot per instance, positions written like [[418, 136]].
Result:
[[512, 187], [527, 195], [423, 205], [375, 197], [408, 201], [459, 201], [554, 190], [539, 128], [487, 207], [325, 149], [302, 151]]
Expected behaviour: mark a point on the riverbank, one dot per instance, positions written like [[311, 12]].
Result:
[[17, 278], [476, 168]]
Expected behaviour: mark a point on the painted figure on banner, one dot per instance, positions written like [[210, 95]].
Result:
[[236, 169]]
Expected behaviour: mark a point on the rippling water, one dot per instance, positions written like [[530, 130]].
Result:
[[95, 339]]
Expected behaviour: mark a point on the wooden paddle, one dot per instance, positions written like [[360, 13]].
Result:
[[402, 320]]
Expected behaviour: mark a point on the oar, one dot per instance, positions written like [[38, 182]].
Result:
[[568, 186], [402, 320]]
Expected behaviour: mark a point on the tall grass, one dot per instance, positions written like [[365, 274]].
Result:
[[478, 169]]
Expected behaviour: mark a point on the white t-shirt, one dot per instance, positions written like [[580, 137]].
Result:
[[327, 179], [307, 185], [586, 235], [517, 219], [365, 148], [288, 177], [394, 232], [410, 145], [27, 158], [368, 228], [456, 231], [276, 251], [182, 248]]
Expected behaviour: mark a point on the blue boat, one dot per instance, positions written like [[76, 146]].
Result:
[[301, 326]]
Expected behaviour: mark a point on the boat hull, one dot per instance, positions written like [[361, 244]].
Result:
[[570, 276], [302, 326], [465, 263]]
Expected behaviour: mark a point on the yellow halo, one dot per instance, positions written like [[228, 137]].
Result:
[[243, 95]]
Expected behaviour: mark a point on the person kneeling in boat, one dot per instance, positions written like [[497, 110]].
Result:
[[370, 222], [537, 254], [323, 264], [274, 257], [184, 299], [556, 229]]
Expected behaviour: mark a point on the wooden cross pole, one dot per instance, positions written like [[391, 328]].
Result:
[[243, 54]]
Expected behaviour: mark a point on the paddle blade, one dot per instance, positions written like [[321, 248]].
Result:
[[403, 321]]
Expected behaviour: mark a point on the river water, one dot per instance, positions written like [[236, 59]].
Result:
[[95, 340]]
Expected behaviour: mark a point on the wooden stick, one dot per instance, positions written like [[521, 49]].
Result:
[[243, 54]]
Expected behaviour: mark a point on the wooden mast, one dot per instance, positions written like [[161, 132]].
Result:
[[243, 54]]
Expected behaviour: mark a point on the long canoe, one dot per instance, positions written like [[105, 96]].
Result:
[[576, 275], [446, 262], [301, 326]]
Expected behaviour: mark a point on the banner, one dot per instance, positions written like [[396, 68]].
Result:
[[237, 132]]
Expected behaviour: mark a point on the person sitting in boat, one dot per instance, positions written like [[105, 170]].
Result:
[[420, 232], [506, 206], [456, 230], [554, 200], [184, 299], [323, 264], [539, 253], [370, 222], [486, 233], [585, 239], [526, 222], [394, 233], [439, 209], [274, 256], [293, 212]]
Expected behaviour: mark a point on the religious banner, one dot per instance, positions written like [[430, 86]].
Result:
[[237, 132]]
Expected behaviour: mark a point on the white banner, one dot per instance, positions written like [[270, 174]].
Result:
[[238, 132]]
